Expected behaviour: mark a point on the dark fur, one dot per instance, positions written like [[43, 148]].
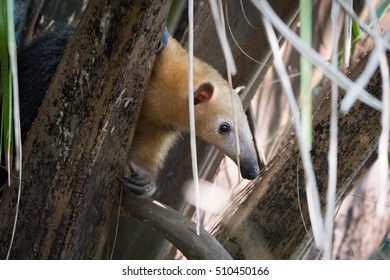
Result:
[[20, 14], [37, 64]]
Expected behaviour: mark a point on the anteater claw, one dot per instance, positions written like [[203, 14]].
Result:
[[164, 40], [138, 180], [140, 189]]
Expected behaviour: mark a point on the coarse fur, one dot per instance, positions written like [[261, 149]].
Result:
[[20, 15], [37, 64], [164, 112]]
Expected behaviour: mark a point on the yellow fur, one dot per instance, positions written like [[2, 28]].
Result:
[[165, 109]]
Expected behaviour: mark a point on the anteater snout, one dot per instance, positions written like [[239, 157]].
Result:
[[252, 175], [249, 171]]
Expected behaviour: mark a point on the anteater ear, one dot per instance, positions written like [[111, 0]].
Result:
[[203, 93]]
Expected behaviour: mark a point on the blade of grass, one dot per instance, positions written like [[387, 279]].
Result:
[[347, 35], [6, 79], [222, 37], [332, 153], [5, 68], [10, 101], [191, 105], [355, 30], [230, 81], [305, 32], [15, 86]]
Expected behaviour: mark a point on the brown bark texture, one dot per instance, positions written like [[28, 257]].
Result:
[[79, 142]]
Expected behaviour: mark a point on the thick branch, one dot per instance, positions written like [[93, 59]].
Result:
[[176, 228]]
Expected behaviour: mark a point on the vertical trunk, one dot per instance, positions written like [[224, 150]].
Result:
[[81, 137]]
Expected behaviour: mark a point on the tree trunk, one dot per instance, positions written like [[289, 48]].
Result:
[[80, 140]]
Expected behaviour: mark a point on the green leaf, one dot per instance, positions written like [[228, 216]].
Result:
[[355, 30], [6, 81]]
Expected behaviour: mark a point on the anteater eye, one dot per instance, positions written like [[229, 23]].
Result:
[[224, 128]]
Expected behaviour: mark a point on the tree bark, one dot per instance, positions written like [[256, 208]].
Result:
[[272, 222], [80, 140]]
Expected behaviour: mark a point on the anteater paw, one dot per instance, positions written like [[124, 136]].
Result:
[[138, 180], [140, 189]]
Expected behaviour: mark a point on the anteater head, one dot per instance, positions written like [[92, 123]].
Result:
[[215, 106], [218, 112]]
